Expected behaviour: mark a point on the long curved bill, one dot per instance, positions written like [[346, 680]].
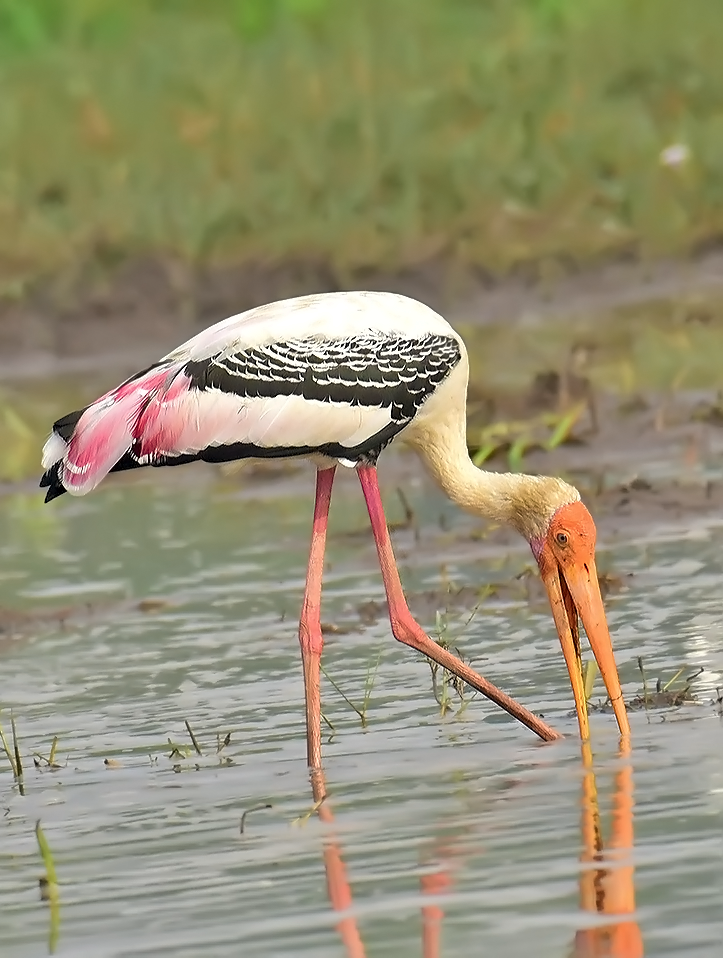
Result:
[[575, 591]]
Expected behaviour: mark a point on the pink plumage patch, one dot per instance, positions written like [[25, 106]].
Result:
[[114, 425]]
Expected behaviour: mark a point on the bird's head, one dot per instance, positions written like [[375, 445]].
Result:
[[562, 535]]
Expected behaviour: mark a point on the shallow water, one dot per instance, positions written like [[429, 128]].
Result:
[[467, 813]]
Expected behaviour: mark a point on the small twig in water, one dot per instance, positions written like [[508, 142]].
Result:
[[50, 762], [254, 808], [193, 738], [220, 746]]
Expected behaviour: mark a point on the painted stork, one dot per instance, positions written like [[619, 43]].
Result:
[[335, 378]]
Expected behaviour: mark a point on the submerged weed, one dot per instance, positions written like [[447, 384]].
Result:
[[180, 753]]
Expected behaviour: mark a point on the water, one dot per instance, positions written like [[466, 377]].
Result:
[[463, 826]]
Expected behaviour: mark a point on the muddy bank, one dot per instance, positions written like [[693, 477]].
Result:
[[119, 316]]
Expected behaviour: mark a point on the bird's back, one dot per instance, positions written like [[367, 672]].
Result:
[[324, 315], [336, 375]]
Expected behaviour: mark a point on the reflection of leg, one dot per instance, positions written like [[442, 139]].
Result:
[[432, 915], [408, 631], [336, 881], [310, 637]]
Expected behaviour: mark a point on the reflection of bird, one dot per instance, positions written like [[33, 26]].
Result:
[[606, 877], [335, 378]]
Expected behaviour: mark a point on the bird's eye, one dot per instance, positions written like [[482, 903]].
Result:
[[561, 538]]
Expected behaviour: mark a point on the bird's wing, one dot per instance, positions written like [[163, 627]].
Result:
[[343, 398], [334, 396]]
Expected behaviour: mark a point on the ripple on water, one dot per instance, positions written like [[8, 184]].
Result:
[[151, 860]]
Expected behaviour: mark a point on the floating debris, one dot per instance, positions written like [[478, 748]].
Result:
[[48, 763], [663, 696]]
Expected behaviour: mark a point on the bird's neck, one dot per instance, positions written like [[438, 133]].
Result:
[[525, 502]]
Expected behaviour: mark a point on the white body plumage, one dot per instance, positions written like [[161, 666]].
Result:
[[333, 377]]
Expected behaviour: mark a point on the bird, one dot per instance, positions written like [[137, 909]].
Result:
[[334, 378]]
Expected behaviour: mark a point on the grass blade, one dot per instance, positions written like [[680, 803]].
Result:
[[346, 699], [10, 755], [676, 676], [16, 750], [564, 426], [49, 887]]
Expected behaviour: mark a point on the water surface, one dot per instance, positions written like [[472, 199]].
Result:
[[466, 813]]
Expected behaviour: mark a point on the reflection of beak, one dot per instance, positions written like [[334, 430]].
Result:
[[575, 591], [607, 883]]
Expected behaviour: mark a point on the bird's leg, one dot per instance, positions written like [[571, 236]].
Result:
[[408, 631], [310, 637]]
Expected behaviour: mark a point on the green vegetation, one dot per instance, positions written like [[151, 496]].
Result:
[[368, 688], [360, 134], [49, 887], [547, 431]]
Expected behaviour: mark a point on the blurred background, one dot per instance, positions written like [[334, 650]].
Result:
[[364, 134], [165, 163]]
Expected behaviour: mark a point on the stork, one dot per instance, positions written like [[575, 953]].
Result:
[[335, 378]]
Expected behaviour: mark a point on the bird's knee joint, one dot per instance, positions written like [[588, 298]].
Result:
[[400, 630]]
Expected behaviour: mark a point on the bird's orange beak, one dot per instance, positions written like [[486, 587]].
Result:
[[566, 557]]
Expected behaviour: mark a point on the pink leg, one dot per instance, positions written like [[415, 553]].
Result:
[[409, 632], [310, 637]]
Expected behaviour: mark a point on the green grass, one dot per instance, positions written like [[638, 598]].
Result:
[[363, 133]]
